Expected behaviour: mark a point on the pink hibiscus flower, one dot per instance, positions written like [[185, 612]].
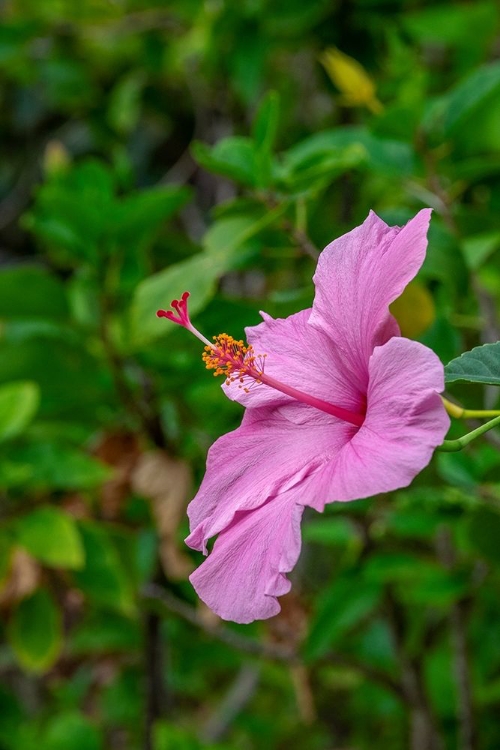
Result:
[[338, 407]]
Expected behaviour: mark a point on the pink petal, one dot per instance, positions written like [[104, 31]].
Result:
[[245, 571], [357, 277], [260, 476], [300, 356], [272, 451], [405, 422]]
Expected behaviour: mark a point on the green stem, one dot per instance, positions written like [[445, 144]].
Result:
[[450, 446], [458, 412], [480, 413]]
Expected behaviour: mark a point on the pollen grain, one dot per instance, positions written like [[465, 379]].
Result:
[[233, 359]]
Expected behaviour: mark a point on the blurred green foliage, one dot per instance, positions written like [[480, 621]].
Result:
[[151, 147]]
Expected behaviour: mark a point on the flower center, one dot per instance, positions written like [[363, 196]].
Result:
[[239, 364]]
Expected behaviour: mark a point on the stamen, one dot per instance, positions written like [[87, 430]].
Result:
[[239, 364], [235, 360]]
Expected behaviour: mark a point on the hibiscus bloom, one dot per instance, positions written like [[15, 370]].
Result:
[[338, 407]]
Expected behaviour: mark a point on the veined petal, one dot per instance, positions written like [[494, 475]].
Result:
[[405, 422], [357, 277], [300, 356], [273, 451], [247, 567]]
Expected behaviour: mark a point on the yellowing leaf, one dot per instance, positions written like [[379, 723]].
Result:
[[351, 79], [56, 158], [414, 310]]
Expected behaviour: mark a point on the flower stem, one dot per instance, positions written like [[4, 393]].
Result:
[[458, 412], [450, 446]]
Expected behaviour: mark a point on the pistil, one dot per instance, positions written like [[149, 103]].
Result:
[[238, 363]]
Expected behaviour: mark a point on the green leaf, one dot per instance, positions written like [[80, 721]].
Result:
[[481, 85], [31, 292], [226, 236], [480, 365], [413, 523], [457, 470], [73, 211], [382, 155], [264, 134], [392, 566], [13, 716], [265, 125], [13, 474], [102, 632], [346, 603], [20, 331], [169, 736], [18, 405], [60, 467], [72, 381], [450, 24], [223, 245], [125, 102], [35, 632], [478, 248], [138, 216], [233, 157], [52, 537], [433, 586], [331, 531], [443, 338], [483, 530], [72, 730], [103, 578], [198, 275], [318, 169]]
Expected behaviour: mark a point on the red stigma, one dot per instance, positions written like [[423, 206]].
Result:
[[181, 315]]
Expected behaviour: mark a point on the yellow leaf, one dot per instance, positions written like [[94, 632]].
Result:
[[414, 310], [56, 158], [351, 79]]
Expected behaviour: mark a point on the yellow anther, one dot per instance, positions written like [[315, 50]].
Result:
[[233, 359]]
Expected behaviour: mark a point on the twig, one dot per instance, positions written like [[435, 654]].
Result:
[[275, 652], [467, 739], [155, 689], [304, 696], [490, 332], [372, 673], [300, 238], [18, 198], [423, 732], [240, 692], [149, 422], [132, 23]]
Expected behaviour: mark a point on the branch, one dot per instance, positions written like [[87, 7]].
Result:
[[157, 595], [149, 421], [155, 689], [423, 732], [465, 709], [298, 235], [235, 700], [371, 673]]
